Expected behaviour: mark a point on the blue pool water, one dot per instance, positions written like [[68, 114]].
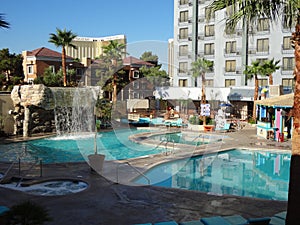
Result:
[[257, 174], [186, 138], [114, 145]]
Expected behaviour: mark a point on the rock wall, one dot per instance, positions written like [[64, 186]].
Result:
[[35, 106]]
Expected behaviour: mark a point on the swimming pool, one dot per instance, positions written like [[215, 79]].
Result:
[[188, 138], [258, 174], [115, 145]]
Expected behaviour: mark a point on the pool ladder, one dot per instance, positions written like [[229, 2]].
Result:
[[166, 146], [139, 172]]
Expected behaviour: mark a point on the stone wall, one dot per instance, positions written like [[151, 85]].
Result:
[[6, 119], [35, 106]]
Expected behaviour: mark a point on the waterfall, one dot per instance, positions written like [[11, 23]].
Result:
[[74, 109]]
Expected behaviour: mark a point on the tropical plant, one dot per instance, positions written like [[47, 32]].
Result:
[[248, 11], [27, 213], [149, 57], [3, 23], [199, 68], [252, 72], [63, 38], [114, 52], [268, 67]]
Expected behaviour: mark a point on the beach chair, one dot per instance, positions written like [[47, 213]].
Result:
[[167, 223], [3, 209]]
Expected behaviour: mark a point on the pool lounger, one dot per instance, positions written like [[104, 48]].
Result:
[[166, 223], [193, 222], [234, 220], [3, 209]]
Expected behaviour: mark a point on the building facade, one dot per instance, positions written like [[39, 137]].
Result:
[[195, 37], [88, 47]]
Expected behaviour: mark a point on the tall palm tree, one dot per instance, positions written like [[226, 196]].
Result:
[[63, 38], [3, 23], [253, 9], [114, 51], [268, 67], [252, 72], [199, 68]]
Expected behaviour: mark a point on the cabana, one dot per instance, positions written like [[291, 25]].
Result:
[[273, 119]]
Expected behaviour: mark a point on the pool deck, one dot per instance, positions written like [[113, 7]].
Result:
[[110, 200]]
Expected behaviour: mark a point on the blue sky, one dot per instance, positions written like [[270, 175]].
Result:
[[141, 21]]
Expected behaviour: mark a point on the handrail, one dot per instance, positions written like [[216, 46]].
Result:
[[31, 167], [7, 171], [139, 172]]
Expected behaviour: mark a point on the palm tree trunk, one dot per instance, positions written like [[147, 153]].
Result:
[[293, 215], [63, 56], [203, 98], [270, 79], [255, 96]]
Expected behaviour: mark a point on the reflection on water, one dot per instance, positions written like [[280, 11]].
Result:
[[258, 174]]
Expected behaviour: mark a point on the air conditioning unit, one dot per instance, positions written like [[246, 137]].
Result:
[[275, 90], [136, 74], [200, 37]]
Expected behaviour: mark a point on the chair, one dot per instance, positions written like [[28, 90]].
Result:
[[167, 223], [3, 209], [193, 222], [157, 121]]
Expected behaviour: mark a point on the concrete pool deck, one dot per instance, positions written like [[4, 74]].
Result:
[[108, 203]]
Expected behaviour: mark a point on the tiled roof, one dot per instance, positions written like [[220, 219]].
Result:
[[130, 60], [44, 52]]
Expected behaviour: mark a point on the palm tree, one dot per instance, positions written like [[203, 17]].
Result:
[[114, 51], [268, 67], [63, 38], [199, 68], [3, 23], [252, 72], [253, 9]]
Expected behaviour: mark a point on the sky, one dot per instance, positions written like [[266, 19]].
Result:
[[146, 24]]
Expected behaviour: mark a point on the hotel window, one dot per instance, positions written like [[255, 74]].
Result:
[[183, 67], [288, 82], [183, 33], [230, 66], [229, 82], [183, 17], [52, 68], [30, 69], [262, 45], [209, 49], [288, 63], [209, 13], [209, 30], [230, 47], [261, 61], [263, 24], [183, 83], [209, 83], [184, 2], [287, 43], [183, 50], [262, 82]]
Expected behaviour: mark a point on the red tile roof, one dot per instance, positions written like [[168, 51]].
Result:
[[44, 52]]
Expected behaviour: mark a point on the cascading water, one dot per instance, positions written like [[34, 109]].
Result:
[[74, 109]]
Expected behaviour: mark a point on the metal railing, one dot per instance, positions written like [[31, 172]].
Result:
[[139, 172]]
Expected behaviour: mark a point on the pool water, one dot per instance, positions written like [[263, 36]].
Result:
[[236, 172], [186, 138], [115, 145]]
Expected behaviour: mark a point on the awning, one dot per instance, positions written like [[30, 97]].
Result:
[[241, 94], [286, 101]]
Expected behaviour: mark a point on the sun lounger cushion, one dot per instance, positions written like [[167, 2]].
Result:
[[281, 215], [215, 220], [235, 219], [277, 221], [259, 221], [3, 209], [167, 223], [193, 222]]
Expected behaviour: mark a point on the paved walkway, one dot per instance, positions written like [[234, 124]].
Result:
[[108, 203]]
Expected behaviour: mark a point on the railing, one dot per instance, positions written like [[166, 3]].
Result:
[[139, 172]]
